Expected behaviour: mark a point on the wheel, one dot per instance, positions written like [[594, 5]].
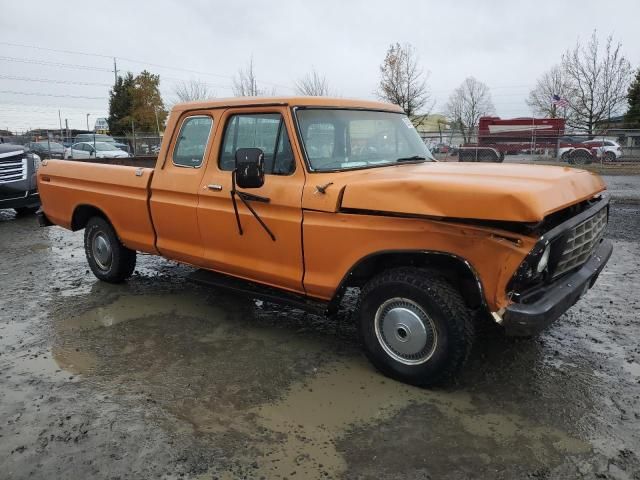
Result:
[[580, 158], [609, 157], [26, 210], [415, 326], [108, 258], [564, 157]]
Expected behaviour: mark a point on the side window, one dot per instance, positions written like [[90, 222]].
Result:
[[192, 141], [265, 131]]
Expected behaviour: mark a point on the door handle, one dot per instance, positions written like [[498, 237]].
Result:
[[215, 187]]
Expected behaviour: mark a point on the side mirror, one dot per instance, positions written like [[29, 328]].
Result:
[[249, 172]]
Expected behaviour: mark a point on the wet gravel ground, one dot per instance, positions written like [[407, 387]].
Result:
[[160, 378]]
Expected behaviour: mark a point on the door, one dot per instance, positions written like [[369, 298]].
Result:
[[254, 254], [80, 150], [175, 185]]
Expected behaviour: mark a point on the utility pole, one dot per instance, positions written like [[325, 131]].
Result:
[[66, 124], [155, 110], [60, 122], [115, 72], [88, 121]]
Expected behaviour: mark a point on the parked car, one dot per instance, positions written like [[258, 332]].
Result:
[[307, 216], [46, 149], [100, 137], [85, 150], [608, 150], [18, 179]]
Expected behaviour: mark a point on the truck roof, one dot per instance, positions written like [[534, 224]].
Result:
[[287, 101]]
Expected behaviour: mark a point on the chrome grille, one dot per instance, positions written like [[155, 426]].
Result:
[[581, 243], [13, 167]]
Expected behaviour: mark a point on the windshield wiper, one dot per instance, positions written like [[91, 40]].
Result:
[[410, 159]]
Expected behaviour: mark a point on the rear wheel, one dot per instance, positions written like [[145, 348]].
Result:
[[580, 158], [108, 258], [609, 157], [415, 326]]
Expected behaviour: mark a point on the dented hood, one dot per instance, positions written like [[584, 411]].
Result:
[[521, 193]]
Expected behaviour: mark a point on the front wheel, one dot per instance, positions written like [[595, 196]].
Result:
[[415, 326], [108, 258]]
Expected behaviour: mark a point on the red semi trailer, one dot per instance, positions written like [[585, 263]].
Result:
[[497, 137]]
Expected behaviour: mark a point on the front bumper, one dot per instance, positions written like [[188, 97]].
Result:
[[30, 198], [523, 319]]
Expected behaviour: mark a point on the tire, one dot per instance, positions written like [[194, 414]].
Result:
[[565, 157], [580, 158], [26, 210], [109, 259], [415, 326], [609, 157]]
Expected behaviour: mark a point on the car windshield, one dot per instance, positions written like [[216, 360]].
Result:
[[346, 139], [103, 147]]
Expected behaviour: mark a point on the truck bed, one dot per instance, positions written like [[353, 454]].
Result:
[[116, 188]]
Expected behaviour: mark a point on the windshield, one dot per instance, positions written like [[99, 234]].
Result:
[[344, 139], [102, 147]]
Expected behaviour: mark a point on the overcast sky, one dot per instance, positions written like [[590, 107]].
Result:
[[506, 44]]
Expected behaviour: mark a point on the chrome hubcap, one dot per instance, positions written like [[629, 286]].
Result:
[[405, 331], [101, 250]]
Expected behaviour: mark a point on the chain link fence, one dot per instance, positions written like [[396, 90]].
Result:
[[611, 147], [57, 144]]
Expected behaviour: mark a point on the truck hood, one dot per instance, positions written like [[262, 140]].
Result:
[[485, 191]]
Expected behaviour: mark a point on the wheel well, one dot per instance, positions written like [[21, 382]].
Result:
[[82, 214], [455, 269]]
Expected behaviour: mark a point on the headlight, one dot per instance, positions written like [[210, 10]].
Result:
[[36, 161], [544, 259]]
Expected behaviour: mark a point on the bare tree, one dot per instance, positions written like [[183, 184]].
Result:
[[313, 84], [470, 101], [245, 83], [598, 79], [552, 82], [192, 90], [403, 82]]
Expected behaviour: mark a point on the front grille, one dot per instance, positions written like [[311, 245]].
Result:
[[13, 168], [581, 243]]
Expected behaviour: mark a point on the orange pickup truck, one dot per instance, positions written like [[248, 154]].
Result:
[[298, 199]]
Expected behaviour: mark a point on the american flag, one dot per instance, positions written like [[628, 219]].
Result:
[[558, 101]]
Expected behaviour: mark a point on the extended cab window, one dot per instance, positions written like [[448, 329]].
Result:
[[265, 131], [192, 141]]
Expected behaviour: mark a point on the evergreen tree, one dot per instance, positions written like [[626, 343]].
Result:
[[121, 105], [148, 112], [632, 117]]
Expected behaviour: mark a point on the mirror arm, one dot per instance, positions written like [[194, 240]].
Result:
[[246, 197]]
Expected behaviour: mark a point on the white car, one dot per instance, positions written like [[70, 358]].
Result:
[[83, 150], [608, 150]]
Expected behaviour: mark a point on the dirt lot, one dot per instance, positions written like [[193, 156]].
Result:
[[159, 378]]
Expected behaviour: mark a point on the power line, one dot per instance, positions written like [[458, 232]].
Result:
[[48, 80], [13, 92], [132, 60], [53, 64]]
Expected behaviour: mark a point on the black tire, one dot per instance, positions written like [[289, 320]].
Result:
[[565, 157], [609, 157], [26, 210], [434, 305], [580, 158], [108, 258]]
